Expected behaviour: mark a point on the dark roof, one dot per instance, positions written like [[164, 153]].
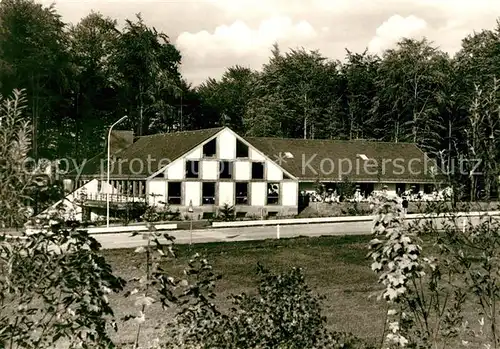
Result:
[[156, 150], [313, 159]]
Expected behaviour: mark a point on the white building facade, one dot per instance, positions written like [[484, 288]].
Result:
[[207, 170]]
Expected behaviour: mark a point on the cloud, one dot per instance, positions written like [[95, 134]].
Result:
[[394, 29], [215, 34], [239, 43], [239, 39]]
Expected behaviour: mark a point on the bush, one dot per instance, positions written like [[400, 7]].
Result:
[[283, 314], [54, 287], [226, 213], [427, 294], [134, 211], [15, 181]]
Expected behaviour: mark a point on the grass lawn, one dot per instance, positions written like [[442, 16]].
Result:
[[335, 267]]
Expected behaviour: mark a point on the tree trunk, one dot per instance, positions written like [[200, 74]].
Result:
[[305, 116], [449, 143]]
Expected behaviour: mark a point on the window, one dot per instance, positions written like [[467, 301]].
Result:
[[428, 188], [208, 193], [400, 188], [366, 189], [273, 193], [415, 188], [174, 193], [225, 170], [257, 170], [192, 169], [241, 149], [210, 148], [241, 193]]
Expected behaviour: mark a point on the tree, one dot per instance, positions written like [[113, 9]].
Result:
[[33, 56], [307, 90], [410, 77], [479, 58], [148, 69], [95, 87], [482, 137], [360, 73], [263, 115], [229, 97]]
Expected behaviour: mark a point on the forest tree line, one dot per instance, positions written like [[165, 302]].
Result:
[[80, 78]]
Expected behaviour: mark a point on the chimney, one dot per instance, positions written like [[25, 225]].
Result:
[[120, 140]]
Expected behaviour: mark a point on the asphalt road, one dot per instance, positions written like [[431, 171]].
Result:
[[124, 240]]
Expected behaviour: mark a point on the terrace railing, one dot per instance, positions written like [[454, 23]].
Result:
[[115, 198]]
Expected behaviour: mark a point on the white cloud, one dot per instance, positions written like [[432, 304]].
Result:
[[215, 34], [394, 29], [240, 39]]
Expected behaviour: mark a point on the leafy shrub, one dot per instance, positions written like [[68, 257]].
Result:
[[54, 286], [154, 285], [14, 147], [134, 212], [426, 294], [354, 209], [226, 213], [283, 314]]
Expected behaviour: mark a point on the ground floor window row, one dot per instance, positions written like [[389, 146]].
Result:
[[209, 193], [137, 188], [365, 189]]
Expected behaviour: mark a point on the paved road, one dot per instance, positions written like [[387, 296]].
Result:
[[124, 240]]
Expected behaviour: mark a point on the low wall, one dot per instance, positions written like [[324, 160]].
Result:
[[246, 211], [293, 221], [339, 209]]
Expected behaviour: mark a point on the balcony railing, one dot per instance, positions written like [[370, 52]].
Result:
[[113, 197]]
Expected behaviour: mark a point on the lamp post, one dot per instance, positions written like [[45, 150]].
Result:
[[190, 210], [109, 161]]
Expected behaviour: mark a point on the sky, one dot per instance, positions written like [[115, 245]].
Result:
[[213, 35]]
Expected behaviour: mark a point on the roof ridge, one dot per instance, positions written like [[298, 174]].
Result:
[[187, 131], [331, 140]]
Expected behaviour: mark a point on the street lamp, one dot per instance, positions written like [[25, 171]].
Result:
[[109, 156], [190, 210]]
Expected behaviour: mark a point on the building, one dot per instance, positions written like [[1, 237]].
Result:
[[206, 169]]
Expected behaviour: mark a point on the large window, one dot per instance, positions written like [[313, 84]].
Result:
[[428, 188], [225, 170], [192, 169], [241, 149], [257, 170], [366, 188], [241, 193], [208, 193], [273, 193], [415, 188], [400, 188], [174, 193], [210, 148]]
